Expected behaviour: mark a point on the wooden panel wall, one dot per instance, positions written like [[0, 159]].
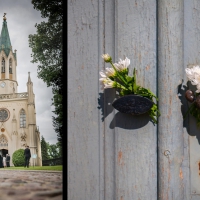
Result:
[[136, 137], [111, 156], [170, 74], [117, 156], [85, 130], [192, 57]]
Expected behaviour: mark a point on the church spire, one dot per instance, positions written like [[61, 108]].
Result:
[[30, 90], [29, 78], [5, 43]]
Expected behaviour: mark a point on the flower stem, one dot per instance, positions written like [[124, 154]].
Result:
[[118, 74]]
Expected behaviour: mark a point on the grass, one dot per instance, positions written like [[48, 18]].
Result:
[[50, 168]]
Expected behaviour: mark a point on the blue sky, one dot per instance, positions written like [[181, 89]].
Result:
[[21, 20]]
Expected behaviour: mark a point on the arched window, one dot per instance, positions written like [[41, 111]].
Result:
[[3, 66], [22, 118], [10, 66]]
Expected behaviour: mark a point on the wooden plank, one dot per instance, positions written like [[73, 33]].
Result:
[[85, 136], [170, 74], [135, 138], [192, 57], [109, 112]]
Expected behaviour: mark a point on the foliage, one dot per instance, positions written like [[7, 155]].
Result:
[[44, 149], [47, 51], [117, 77], [18, 158], [54, 151], [51, 168]]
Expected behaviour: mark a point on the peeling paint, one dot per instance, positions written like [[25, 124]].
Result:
[[120, 161], [147, 67], [181, 174], [119, 156]]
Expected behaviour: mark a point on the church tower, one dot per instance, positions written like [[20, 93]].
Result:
[[8, 61], [18, 126]]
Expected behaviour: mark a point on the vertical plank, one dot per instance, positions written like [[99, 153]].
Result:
[[109, 95], [170, 74], [136, 137], [192, 57], [85, 134]]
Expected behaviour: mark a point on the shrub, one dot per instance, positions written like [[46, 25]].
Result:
[[18, 158]]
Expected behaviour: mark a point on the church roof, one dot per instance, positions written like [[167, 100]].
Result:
[[5, 43]]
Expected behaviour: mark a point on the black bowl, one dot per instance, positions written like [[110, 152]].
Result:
[[133, 104]]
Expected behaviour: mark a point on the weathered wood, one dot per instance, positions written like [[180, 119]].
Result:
[[136, 136], [192, 57], [113, 155], [129, 142], [109, 95], [170, 74], [85, 134]]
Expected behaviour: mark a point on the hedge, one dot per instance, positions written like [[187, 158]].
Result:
[[18, 158]]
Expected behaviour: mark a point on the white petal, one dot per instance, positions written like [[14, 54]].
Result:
[[110, 72], [102, 74], [189, 72], [127, 62]]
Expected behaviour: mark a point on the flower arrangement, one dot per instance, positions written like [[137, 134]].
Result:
[[193, 74], [117, 77]]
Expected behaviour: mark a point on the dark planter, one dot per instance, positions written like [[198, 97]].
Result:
[[133, 104]]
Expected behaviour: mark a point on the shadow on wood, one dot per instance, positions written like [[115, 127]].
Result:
[[105, 102], [122, 120], [128, 121], [189, 122]]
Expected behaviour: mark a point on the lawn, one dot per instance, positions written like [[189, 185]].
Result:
[[50, 168]]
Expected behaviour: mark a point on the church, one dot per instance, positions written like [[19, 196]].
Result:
[[18, 127]]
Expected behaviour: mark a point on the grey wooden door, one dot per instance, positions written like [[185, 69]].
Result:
[[123, 157]]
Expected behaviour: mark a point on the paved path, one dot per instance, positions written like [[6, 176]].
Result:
[[30, 185]]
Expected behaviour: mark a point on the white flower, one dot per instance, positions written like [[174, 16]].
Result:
[[122, 65], [102, 74], [197, 78], [193, 74], [110, 72], [106, 82], [109, 84], [106, 57]]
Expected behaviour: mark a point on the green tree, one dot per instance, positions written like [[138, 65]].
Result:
[[47, 52], [54, 151], [44, 149]]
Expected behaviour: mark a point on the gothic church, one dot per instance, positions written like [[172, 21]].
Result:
[[17, 110]]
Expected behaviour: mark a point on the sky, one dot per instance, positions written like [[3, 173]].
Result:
[[21, 20]]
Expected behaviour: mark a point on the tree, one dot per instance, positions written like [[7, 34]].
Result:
[[54, 151], [18, 158], [47, 52], [44, 149]]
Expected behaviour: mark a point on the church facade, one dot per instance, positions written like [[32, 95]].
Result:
[[17, 110]]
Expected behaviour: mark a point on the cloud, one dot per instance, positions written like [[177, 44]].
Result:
[[21, 20]]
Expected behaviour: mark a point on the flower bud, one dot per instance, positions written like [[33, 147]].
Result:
[[107, 58], [189, 95]]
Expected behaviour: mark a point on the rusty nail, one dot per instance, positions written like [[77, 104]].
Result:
[[167, 153]]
